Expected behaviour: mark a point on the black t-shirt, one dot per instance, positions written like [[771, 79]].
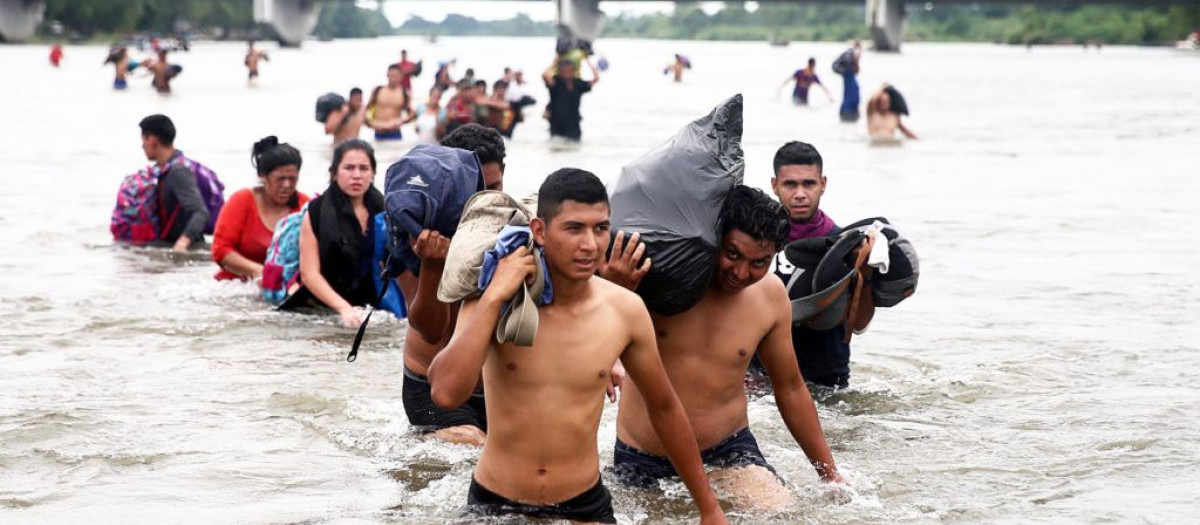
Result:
[[564, 107], [823, 355]]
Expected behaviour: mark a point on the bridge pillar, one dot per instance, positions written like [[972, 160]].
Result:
[[886, 18], [292, 20], [580, 18], [19, 19]]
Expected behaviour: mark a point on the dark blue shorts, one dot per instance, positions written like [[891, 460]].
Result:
[[643, 469], [593, 506], [388, 135]]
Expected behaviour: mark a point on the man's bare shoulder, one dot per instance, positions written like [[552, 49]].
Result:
[[621, 298], [769, 290]]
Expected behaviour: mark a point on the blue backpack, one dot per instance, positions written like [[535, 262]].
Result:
[[281, 270]]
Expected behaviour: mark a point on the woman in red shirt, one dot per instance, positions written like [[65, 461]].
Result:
[[248, 219]]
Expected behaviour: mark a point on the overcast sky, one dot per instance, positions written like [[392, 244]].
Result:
[[398, 11]]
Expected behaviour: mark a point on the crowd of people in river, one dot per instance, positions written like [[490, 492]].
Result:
[[466, 379]]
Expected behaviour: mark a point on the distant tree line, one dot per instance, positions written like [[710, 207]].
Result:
[[217, 18], [1014, 24]]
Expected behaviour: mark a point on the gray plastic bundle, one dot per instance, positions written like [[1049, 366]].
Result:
[[672, 196]]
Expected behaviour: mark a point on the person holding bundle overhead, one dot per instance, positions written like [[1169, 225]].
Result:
[[336, 234], [248, 219]]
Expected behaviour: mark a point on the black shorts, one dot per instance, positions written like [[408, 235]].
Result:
[[643, 469], [593, 506], [427, 417]]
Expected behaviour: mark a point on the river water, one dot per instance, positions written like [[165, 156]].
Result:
[[1045, 372]]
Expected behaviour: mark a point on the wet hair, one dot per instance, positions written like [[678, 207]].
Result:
[[481, 84], [393, 66], [268, 154], [470, 72], [754, 213], [483, 141], [349, 145], [812, 61], [799, 153], [500, 84], [160, 127], [569, 184], [355, 91]]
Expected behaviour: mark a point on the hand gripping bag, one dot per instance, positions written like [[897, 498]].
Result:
[[427, 188], [672, 196]]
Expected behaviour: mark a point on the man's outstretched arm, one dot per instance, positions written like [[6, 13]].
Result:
[[791, 394], [666, 413]]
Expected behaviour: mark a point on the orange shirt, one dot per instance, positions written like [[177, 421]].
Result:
[[240, 228]]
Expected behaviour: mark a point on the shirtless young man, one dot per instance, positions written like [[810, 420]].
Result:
[[545, 402], [706, 351], [389, 107], [345, 122], [882, 120], [163, 72], [119, 58], [253, 56]]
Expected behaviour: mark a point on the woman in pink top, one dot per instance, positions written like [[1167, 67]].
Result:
[[247, 221]]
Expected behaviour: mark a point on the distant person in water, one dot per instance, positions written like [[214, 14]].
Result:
[[429, 121], [389, 107], [56, 54], [163, 72], [344, 123], [847, 66], [253, 56], [566, 93], [884, 109], [677, 66], [122, 66], [804, 79], [407, 67]]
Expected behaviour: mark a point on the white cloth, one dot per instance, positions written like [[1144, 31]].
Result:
[[515, 92], [878, 257], [427, 128]]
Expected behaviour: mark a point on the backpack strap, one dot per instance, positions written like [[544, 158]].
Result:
[[362, 328], [170, 221]]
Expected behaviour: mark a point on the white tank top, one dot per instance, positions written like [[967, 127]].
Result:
[[427, 128]]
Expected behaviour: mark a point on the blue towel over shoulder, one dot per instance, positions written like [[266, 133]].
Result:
[[511, 238]]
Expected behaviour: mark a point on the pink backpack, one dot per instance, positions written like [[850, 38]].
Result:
[[135, 219]]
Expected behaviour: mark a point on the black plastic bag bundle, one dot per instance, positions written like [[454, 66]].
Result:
[[326, 104], [672, 196]]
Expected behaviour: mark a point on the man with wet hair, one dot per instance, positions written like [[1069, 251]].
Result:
[[545, 402], [799, 183], [180, 205], [706, 351]]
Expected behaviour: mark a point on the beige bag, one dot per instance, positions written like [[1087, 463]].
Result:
[[484, 215]]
